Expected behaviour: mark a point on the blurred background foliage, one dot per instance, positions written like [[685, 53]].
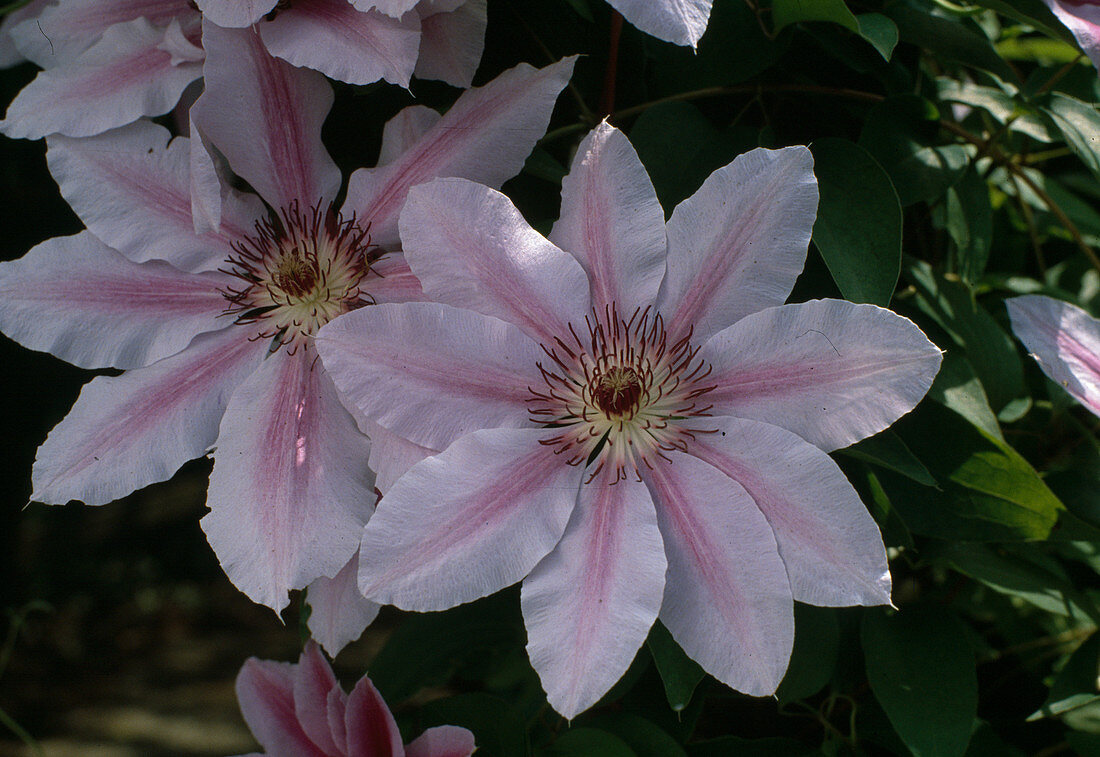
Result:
[[957, 148]]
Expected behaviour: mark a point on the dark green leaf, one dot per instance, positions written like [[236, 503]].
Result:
[[588, 742], [646, 738], [582, 9], [880, 31], [816, 640], [887, 450], [1079, 123], [735, 746], [958, 388], [921, 669], [858, 227], [1005, 108], [498, 729], [970, 224], [787, 12], [1074, 695], [951, 41], [679, 673], [1033, 13]]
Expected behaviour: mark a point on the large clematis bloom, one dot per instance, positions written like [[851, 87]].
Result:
[[679, 21], [300, 710], [215, 329], [632, 422], [1082, 17], [1064, 340]]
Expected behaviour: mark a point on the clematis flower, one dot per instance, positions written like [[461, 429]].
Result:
[[359, 41], [1082, 17], [300, 710], [215, 329], [679, 21], [632, 422], [1064, 340]]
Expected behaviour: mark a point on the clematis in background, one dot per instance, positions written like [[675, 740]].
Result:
[[681, 22], [1082, 17], [215, 329], [1064, 340], [300, 710], [632, 422]]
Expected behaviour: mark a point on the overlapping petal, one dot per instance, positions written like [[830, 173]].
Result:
[[338, 612], [390, 454], [442, 741], [1083, 19], [265, 693], [370, 725], [505, 506], [831, 371], [680, 21], [394, 281], [235, 13], [451, 42]]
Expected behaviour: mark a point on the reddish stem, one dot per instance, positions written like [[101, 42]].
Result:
[[611, 74]]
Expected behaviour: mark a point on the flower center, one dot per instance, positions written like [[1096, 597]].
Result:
[[300, 270], [620, 392]]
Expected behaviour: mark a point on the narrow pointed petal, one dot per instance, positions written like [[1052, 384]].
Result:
[[394, 8], [337, 718], [313, 681], [132, 189], [391, 455], [266, 116], [371, 728], [468, 522], [338, 612], [829, 543], [590, 603], [1083, 19], [1064, 340], [442, 741], [394, 281], [133, 430], [235, 13], [265, 692], [208, 191], [451, 44], [738, 244], [124, 76], [727, 601], [455, 371], [612, 222], [357, 47], [80, 300], [290, 490], [485, 136], [404, 130], [681, 22], [471, 248], [831, 371]]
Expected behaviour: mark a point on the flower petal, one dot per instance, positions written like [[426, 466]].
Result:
[[390, 455], [313, 681], [265, 116], [468, 522], [338, 612], [131, 187], [612, 222], [290, 489], [829, 543], [334, 38], [738, 244], [10, 54], [80, 300], [124, 76], [727, 601], [455, 371], [451, 43], [590, 603], [471, 248], [370, 725], [403, 130], [133, 430], [679, 21], [1064, 340], [265, 692], [395, 281], [831, 371], [235, 13], [485, 136], [442, 741], [1083, 19]]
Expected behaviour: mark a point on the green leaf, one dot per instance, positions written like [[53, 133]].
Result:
[[1074, 696], [970, 224], [951, 41], [880, 31], [582, 9], [858, 227], [921, 670], [679, 673], [957, 387], [646, 738], [787, 12], [543, 165], [498, 728], [1079, 123], [587, 742], [1034, 13], [735, 745], [816, 643], [1005, 108], [887, 450]]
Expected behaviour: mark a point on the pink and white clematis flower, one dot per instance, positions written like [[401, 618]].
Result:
[[300, 710], [215, 329], [1064, 340], [681, 22], [362, 41], [633, 423], [1082, 17]]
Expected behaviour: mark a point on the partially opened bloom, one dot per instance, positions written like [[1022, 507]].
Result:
[[632, 421], [1082, 17], [679, 21], [216, 328], [300, 710], [1064, 340]]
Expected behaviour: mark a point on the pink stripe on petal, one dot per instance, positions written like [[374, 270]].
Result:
[[313, 681], [442, 741], [403, 130], [134, 430], [290, 489], [830, 545], [727, 601], [265, 692], [590, 603], [471, 248], [371, 728], [468, 522], [455, 371]]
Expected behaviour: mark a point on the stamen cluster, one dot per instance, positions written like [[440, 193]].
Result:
[[620, 392], [300, 271]]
